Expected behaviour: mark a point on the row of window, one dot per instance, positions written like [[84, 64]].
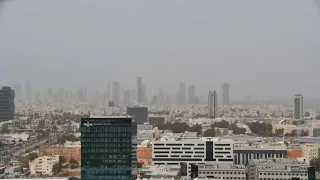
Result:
[[218, 172], [104, 150], [280, 179], [106, 140], [284, 174], [157, 144], [179, 156], [102, 135], [106, 145]]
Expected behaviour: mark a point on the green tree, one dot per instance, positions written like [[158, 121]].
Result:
[[209, 133], [196, 128], [73, 163], [139, 164], [318, 117], [279, 132], [307, 114]]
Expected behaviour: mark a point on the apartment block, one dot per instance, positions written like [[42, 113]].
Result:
[[45, 165]]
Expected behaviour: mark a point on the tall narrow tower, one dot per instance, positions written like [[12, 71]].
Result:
[[225, 94], [298, 106]]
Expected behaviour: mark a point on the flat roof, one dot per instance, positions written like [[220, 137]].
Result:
[[110, 117]]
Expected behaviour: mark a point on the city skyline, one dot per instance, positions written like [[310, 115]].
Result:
[[191, 51]]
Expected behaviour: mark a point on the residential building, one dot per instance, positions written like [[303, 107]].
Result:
[[196, 151], [218, 171], [225, 94], [298, 106], [66, 152], [279, 169], [138, 113], [108, 148], [287, 128], [310, 151], [44, 165], [7, 106]]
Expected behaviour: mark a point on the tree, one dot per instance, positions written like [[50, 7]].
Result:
[[318, 117], [73, 163], [209, 133], [294, 132], [196, 128], [261, 129], [279, 132], [221, 124], [307, 114], [139, 164]]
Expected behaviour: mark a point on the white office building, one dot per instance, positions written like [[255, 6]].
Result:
[[186, 152]]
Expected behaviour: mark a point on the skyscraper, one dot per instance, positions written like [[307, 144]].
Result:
[[18, 91], [161, 97], [225, 94], [191, 94], [212, 104], [144, 94], [155, 100], [298, 106], [140, 90], [116, 93], [182, 93], [108, 148], [127, 97], [7, 106]]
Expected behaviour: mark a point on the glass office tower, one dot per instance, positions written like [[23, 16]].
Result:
[[108, 148]]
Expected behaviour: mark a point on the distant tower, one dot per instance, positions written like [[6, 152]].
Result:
[[191, 94], [116, 93], [127, 97], [212, 104], [298, 106], [161, 97], [182, 93], [225, 94], [140, 90]]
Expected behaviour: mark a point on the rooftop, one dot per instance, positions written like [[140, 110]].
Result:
[[110, 117]]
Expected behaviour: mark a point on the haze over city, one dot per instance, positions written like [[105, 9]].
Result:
[[266, 49]]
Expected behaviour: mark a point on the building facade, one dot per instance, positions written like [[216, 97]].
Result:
[[219, 171], [262, 169], [243, 155], [45, 165], [298, 106], [140, 97], [7, 106], [138, 113], [212, 104], [225, 94], [187, 152], [108, 148], [116, 93]]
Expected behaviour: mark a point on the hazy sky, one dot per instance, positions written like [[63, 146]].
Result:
[[265, 48]]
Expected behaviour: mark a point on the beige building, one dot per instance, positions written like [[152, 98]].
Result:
[[310, 151], [287, 128], [45, 165]]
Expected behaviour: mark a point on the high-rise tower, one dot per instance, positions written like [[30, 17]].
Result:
[[298, 106], [7, 106], [225, 94], [140, 97]]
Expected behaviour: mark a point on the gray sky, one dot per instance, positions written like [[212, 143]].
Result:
[[268, 49]]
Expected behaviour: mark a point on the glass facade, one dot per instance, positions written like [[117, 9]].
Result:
[[7, 106], [107, 148]]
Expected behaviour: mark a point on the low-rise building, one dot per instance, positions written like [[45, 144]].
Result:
[[66, 152], [279, 169], [219, 171], [45, 165], [160, 171]]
